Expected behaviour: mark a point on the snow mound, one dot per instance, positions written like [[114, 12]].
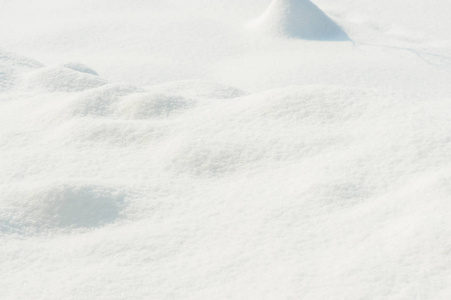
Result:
[[199, 89], [121, 101], [58, 206], [61, 79], [86, 132], [268, 128], [144, 106], [80, 68], [99, 101], [298, 19], [12, 66]]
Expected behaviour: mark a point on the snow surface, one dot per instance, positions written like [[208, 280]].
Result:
[[182, 150], [298, 19]]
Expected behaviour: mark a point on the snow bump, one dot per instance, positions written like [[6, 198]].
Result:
[[199, 89], [80, 68], [12, 66], [144, 106], [61, 79], [43, 207], [298, 19]]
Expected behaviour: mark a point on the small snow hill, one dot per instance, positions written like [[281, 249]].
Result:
[[298, 19]]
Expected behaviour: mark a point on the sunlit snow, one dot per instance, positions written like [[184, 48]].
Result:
[[210, 149]]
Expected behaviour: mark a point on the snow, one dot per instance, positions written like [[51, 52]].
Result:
[[61, 79], [166, 150], [298, 19], [11, 66]]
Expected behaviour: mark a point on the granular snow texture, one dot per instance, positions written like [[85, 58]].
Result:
[[166, 150]]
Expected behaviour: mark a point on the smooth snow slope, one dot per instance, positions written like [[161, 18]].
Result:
[[210, 161]]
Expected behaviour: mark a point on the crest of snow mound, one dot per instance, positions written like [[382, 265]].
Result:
[[62, 79], [11, 66], [298, 19], [80, 68]]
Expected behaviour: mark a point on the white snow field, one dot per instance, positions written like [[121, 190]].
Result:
[[212, 149]]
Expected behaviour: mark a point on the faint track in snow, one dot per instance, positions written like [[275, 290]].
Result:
[[440, 61]]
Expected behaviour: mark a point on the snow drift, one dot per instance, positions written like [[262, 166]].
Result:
[[12, 66], [207, 162], [254, 194], [298, 19]]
